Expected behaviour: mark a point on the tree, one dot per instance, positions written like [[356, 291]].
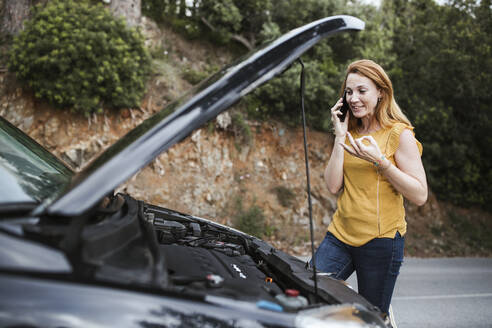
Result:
[[444, 84], [131, 10], [14, 13], [222, 21]]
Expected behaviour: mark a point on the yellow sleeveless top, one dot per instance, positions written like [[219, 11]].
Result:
[[369, 206]]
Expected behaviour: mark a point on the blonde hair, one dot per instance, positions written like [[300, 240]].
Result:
[[387, 111]]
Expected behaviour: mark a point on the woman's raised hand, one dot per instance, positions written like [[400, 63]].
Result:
[[367, 151]]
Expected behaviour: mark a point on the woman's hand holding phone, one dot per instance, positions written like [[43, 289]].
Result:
[[345, 107], [340, 125]]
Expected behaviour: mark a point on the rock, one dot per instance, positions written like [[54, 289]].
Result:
[[195, 137], [318, 155], [27, 123], [73, 157], [260, 166], [243, 156], [292, 166], [223, 120], [51, 127], [125, 113], [158, 167], [326, 220], [301, 220]]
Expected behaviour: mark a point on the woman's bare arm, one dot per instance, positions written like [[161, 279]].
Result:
[[408, 176]]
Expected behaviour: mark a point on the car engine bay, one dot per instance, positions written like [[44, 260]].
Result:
[[132, 244]]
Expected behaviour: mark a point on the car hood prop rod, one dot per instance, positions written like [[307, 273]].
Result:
[[313, 259]]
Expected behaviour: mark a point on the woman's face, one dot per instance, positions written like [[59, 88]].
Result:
[[362, 95]]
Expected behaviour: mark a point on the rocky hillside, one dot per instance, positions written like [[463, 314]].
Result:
[[217, 174]]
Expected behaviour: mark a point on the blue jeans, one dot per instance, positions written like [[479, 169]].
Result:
[[376, 263]]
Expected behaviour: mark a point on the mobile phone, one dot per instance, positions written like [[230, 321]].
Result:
[[345, 107]]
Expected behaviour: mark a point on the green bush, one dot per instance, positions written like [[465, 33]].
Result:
[[196, 76], [285, 196], [251, 220], [77, 55]]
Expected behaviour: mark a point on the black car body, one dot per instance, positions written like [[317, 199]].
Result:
[[73, 254]]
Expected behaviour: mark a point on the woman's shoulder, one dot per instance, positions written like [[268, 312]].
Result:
[[395, 135], [398, 127]]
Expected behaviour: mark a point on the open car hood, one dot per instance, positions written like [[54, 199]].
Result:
[[204, 102]]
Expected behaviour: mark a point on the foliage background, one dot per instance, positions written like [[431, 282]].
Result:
[[438, 57]]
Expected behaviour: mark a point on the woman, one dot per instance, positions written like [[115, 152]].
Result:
[[375, 162]]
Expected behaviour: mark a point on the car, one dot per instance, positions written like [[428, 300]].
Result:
[[73, 253]]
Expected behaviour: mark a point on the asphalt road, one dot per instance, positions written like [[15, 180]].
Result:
[[446, 292]]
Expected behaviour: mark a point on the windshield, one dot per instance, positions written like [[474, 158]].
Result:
[[28, 172]]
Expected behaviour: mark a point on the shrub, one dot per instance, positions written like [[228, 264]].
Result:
[[285, 196], [196, 76], [251, 220], [77, 55]]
